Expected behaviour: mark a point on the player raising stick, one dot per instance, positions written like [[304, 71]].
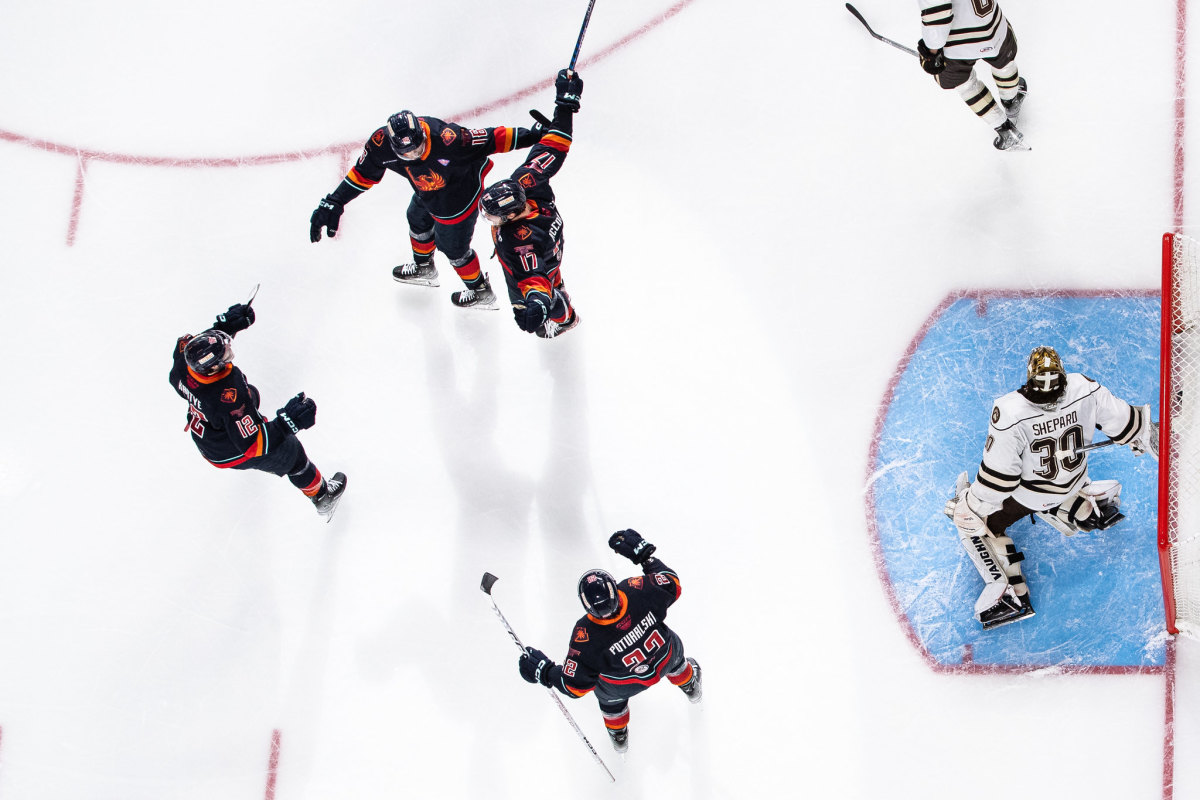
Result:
[[527, 228], [622, 646]]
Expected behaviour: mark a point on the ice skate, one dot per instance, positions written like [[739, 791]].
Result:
[[416, 274], [550, 328], [1009, 138], [327, 499], [619, 738], [1010, 609], [1013, 107], [692, 688], [481, 297]]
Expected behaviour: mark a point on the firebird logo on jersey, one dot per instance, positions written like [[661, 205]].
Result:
[[377, 138], [523, 233], [426, 183], [636, 582], [580, 635], [527, 181], [448, 136], [229, 395]]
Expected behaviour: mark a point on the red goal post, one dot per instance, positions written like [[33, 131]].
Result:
[[1179, 435]]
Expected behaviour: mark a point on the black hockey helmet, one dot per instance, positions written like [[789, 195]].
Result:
[[598, 593], [501, 201], [1045, 378], [405, 135], [210, 352]]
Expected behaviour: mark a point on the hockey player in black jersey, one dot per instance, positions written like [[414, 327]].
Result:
[[527, 228], [224, 419], [622, 646], [445, 164]]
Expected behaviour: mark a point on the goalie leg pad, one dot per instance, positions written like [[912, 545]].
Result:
[[1096, 506]]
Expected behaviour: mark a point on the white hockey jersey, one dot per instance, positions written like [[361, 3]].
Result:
[[968, 29], [1021, 457]]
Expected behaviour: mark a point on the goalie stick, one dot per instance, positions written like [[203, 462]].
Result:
[[489, 580], [875, 35], [1063, 455]]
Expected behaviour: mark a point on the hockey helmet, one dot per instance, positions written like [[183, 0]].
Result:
[[502, 201], [1046, 380], [210, 352], [598, 593], [405, 135]]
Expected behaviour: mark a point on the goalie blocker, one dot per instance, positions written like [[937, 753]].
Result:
[[1035, 463]]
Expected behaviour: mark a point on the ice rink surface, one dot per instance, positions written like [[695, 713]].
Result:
[[763, 207]]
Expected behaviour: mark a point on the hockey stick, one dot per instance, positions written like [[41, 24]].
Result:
[[253, 294], [1063, 455], [579, 42], [489, 580], [896, 45], [540, 117]]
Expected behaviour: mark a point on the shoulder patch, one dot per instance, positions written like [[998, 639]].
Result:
[[995, 414], [526, 180], [636, 582], [523, 233], [229, 395], [377, 138], [448, 135], [581, 635]]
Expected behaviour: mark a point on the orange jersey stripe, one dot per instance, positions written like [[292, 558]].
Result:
[[506, 139], [556, 141], [536, 283], [356, 178]]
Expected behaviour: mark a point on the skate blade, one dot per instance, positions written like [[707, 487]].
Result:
[[417, 281], [990, 626], [479, 307]]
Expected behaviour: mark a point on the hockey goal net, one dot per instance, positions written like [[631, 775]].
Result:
[[1179, 435]]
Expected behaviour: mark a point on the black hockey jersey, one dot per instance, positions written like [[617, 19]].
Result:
[[448, 178], [223, 415], [635, 647], [530, 248]]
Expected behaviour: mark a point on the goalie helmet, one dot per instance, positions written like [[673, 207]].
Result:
[[405, 135], [210, 352], [502, 201], [598, 593], [1045, 378]]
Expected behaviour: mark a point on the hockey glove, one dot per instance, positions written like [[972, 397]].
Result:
[[327, 216], [299, 414], [629, 543], [535, 666], [237, 318], [1147, 440], [932, 61], [531, 314], [568, 86]]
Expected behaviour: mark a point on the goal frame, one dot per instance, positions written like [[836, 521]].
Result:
[[1167, 516]]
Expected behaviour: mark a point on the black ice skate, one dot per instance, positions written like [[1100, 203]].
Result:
[[1009, 138], [1013, 107], [550, 328], [481, 297], [692, 688], [416, 274], [619, 738], [1009, 609], [326, 500]]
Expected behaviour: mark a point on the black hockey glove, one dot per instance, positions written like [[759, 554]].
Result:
[[299, 414], [535, 666], [629, 543], [328, 215], [237, 318], [932, 61], [568, 86], [531, 314]]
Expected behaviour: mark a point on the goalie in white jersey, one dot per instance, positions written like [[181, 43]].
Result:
[[957, 33], [1032, 464]]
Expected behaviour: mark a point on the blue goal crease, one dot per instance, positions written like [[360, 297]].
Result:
[[1098, 595]]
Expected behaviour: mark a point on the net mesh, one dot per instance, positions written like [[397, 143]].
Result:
[[1180, 537]]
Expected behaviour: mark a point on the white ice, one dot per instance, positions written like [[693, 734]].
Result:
[[762, 207]]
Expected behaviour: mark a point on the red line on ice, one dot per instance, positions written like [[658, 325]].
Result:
[[273, 765]]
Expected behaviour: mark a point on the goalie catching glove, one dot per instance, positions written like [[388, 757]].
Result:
[[1147, 438]]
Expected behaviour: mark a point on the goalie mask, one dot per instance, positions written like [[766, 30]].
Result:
[[1046, 380]]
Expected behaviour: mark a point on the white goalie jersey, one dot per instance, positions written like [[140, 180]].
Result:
[[1030, 453], [967, 29]]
